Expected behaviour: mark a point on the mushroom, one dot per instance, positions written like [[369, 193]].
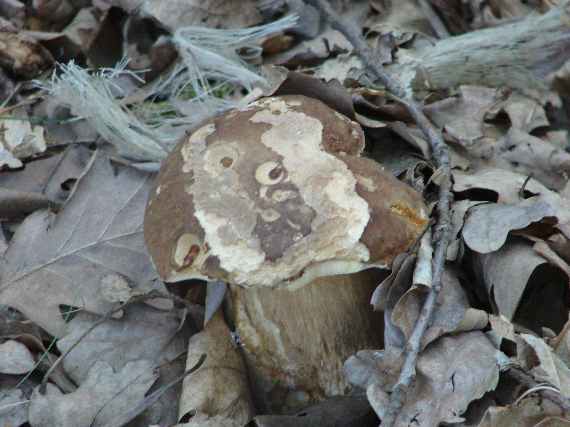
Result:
[[276, 200]]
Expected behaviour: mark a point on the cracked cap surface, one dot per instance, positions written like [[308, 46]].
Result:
[[274, 195]]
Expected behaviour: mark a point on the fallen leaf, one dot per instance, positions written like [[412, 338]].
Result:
[[403, 18], [525, 113], [388, 293], [19, 139], [160, 405], [487, 226], [531, 412], [103, 394], [368, 367], [203, 420], [51, 176], [13, 10], [142, 333], [15, 358], [452, 372], [561, 344], [15, 205], [330, 42], [207, 13], [544, 365], [501, 328], [463, 117], [61, 259], [22, 55], [453, 313], [219, 390], [342, 67], [215, 293], [507, 185], [459, 211], [511, 270], [13, 408], [345, 411], [529, 155]]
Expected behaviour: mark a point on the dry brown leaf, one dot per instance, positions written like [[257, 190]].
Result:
[[467, 121], [53, 12], [341, 67], [103, 394], [516, 270], [531, 412], [463, 117], [219, 390], [507, 185], [19, 139], [54, 260], [369, 367], [75, 38], [453, 313], [402, 304], [451, 372], [206, 13], [487, 226], [529, 155], [501, 328], [15, 205], [345, 411], [459, 210], [15, 358], [389, 292], [329, 42], [525, 113], [402, 18], [47, 180], [142, 333], [561, 344], [14, 11], [544, 365], [13, 407], [506, 272], [203, 420], [22, 55]]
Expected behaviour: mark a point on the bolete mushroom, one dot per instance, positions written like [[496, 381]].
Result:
[[275, 200]]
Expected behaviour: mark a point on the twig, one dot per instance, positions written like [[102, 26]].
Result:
[[533, 386], [433, 18], [441, 236]]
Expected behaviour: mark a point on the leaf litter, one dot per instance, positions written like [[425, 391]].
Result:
[[73, 193]]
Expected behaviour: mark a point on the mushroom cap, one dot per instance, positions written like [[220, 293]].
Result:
[[277, 194]]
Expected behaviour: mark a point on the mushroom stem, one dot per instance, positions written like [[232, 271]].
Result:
[[295, 342]]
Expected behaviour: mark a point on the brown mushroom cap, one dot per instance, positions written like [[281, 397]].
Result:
[[276, 194]]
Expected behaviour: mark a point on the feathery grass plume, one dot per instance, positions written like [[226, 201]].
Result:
[[210, 60], [93, 96], [210, 63]]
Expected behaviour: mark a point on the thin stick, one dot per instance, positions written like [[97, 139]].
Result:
[[441, 235], [434, 19]]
